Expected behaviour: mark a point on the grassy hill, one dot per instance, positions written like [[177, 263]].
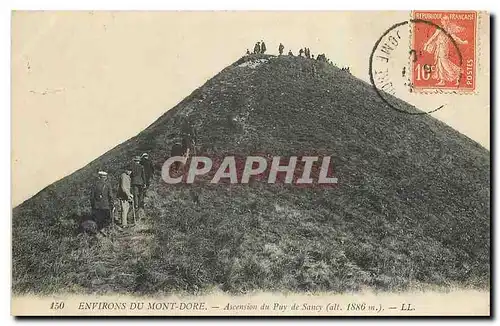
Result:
[[411, 210]]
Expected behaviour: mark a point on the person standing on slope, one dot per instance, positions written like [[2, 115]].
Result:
[[176, 150], [300, 52], [262, 47], [101, 201], [148, 169], [281, 47], [137, 181], [125, 196], [189, 138], [441, 44], [256, 49]]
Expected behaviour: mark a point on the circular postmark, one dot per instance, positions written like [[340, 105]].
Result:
[[396, 62]]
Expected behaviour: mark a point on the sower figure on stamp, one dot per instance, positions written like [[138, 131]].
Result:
[[125, 196], [101, 201], [439, 44]]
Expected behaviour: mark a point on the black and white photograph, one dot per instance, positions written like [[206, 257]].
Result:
[[250, 163]]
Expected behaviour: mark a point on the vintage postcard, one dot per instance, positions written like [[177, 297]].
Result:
[[251, 163]]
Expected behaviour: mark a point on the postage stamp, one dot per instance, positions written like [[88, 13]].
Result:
[[445, 50]]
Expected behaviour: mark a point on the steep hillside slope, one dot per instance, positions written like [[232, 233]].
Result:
[[412, 207]]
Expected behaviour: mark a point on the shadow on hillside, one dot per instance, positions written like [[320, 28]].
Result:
[[78, 220]]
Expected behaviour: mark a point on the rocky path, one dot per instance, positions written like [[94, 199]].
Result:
[[120, 254]]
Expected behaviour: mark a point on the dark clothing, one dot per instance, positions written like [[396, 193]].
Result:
[[177, 150], [256, 48], [101, 196], [188, 136], [138, 181], [263, 47], [148, 170], [188, 143], [281, 48], [89, 226], [102, 218], [138, 193], [137, 177]]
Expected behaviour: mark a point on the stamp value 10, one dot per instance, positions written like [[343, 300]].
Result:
[[444, 44]]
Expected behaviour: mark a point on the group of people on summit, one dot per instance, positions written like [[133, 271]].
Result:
[[260, 48]]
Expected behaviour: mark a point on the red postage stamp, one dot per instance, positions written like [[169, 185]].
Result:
[[444, 50]]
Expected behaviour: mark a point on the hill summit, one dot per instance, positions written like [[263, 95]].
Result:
[[411, 208]]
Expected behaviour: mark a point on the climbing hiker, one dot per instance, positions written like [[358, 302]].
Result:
[[89, 227], [262, 47], [290, 52], [248, 52], [148, 169], [300, 52], [256, 48], [125, 196], [137, 182], [101, 201], [307, 52], [281, 47]]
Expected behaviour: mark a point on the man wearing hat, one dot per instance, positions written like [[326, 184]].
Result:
[[137, 181], [148, 168], [101, 200]]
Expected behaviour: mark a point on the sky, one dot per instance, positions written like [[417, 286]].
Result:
[[83, 82]]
